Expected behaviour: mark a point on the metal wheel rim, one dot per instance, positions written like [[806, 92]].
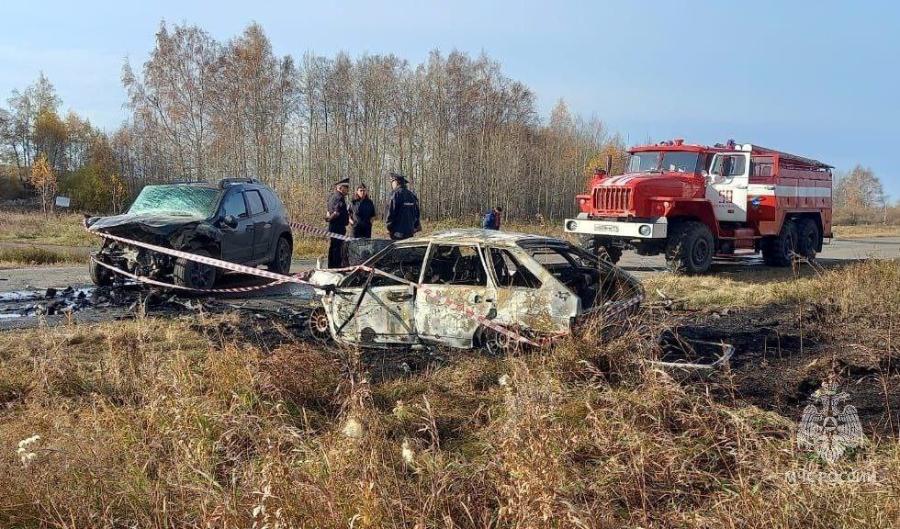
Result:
[[700, 251], [318, 325], [284, 257]]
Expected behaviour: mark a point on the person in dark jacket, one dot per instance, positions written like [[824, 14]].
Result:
[[337, 216], [402, 218], [492, 219], [362, 211]]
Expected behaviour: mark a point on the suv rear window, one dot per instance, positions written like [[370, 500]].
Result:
[[255, 202]]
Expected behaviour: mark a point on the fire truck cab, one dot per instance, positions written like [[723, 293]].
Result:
[[695, 202]]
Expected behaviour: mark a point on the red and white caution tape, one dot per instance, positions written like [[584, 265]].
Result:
[[150, 281], [611, 308], [319, 232], [218, 263]]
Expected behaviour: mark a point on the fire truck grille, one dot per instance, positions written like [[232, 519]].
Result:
[[609, 198]]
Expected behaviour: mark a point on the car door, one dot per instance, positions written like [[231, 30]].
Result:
[[237, 240], [384, 315], [262, 225], [456, 291], [729, 177]]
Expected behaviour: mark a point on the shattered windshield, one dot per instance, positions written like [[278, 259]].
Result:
[[658, 161], [179, 200]]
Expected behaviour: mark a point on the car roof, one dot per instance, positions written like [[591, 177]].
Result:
[[489, 237]]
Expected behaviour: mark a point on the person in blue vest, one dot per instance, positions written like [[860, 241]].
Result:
[[492, 218], [338, 216], [402, 212]]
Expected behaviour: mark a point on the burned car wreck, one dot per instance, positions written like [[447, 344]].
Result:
[[533, 285], [237, 220]]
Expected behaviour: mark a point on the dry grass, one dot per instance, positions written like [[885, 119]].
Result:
[[764, 285], [35, 255], [866, 230], [153, 423], [63, 229]]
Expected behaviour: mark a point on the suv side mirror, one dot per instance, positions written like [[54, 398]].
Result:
[[230, 221]]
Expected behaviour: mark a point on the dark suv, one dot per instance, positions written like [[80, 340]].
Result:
[[238, 220]]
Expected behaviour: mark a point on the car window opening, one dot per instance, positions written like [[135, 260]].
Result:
[[455, 265], [510, 273]]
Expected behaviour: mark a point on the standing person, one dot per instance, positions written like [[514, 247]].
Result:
[[362, 211], [492, 218], [337, 216], [402, 217]]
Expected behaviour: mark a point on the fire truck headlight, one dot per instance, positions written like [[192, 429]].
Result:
[[571, 225], [644, 230]]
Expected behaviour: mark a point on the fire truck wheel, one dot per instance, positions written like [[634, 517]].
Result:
[[608, 253], [778, 250], [807, 238], [690, 248]]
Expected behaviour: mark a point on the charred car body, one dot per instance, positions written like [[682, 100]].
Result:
[[537, 286], [238, 220]]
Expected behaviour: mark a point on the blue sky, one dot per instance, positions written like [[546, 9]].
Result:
[[815, 78]]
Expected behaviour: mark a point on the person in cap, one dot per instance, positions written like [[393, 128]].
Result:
[[362, 211], [402, 218], [337, 216], [492, 218]]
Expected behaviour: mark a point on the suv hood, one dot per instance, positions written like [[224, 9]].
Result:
[[173, 230]]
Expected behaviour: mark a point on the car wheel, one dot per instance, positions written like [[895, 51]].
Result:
[[494, 343], [281, 264], [807, 238], [779, 250], [100, 276], [192, 274], [690, 248], [318, 325]]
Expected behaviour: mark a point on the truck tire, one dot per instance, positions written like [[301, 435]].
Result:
[[807, 238], [690, 248], [100, 276], [606, 252], [281, 264], [779, 250], [192, 274]]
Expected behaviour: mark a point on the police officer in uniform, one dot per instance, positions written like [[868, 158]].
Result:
[[402, 218], [362, 211], [337, 216]]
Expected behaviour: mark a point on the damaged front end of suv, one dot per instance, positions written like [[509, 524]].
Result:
[[170, 231]]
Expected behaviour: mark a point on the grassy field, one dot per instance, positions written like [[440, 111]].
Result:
[[192, 423], [867, 230]]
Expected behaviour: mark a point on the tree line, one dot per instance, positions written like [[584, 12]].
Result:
[[466, 135]]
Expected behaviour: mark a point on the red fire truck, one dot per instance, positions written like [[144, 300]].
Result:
[[695, 202]]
